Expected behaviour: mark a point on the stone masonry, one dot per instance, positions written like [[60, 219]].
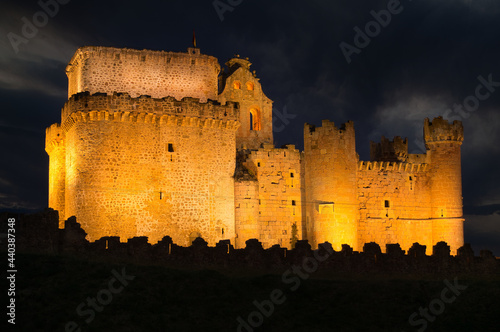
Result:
[[155, 143]]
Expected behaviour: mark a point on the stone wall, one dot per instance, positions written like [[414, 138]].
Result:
[[332, 207], [394, 203], [150, 171], [256, 109], [277, 173], [55, 148], [143, 72]]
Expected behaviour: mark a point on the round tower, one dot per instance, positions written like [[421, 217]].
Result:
[[330, 181], [443, 141]]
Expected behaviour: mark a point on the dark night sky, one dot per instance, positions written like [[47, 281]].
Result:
[[424, 61]]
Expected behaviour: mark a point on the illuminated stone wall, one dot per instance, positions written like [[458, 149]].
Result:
[[399, 198], [135, 173], [332, 206], [55, 148], [277, 193], [395, 204], [143, 72], [256, 109], [443, 141]]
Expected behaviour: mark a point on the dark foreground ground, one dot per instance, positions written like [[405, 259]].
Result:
[[53, 291]]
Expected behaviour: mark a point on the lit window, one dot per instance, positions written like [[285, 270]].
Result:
[[237, 85], [254, 119], [250, 86]]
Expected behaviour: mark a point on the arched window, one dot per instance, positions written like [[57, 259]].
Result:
[[236, 85], [254, 119], [250, 86]]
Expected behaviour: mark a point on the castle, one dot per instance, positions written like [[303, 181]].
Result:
[[155, 143]]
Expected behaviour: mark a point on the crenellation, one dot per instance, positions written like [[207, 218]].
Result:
[[123, 105], [391, 166], [440, 130]]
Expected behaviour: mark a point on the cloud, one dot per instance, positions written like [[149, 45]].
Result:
[[49, 49], [407, 112], [14, 203]]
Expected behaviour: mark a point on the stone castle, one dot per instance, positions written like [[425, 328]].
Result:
[[155, 143]]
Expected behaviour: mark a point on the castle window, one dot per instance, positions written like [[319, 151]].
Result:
[[193, 62], [258, 164], [250, 86], [170, 147], [254, 119], [387, 204], [291, 175], [293, 202], [236, 85]]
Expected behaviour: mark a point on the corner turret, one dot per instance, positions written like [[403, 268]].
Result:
[[443, 141]]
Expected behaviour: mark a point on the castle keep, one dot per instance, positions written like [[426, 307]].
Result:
[[155, 143]]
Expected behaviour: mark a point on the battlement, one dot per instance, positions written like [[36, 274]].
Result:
[[440, 130], [391, 166], [268, 151], [54, 136], [387, 150], [122, 105], [328, 128], [143, 72]]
